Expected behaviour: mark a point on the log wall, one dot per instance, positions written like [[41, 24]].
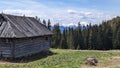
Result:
[[24, 46], [5, 48], [30, 46]]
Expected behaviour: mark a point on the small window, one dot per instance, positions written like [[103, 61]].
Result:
[[4, 40], [46, 38]]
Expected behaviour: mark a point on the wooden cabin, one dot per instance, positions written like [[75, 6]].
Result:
[[22, 36]]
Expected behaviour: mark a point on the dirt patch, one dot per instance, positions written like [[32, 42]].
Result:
[[6, 62], [111, 62]]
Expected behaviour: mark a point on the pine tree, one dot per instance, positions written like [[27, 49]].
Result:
[[117, 40], [80, 37], [56, 38], [108, 38], [44, 22], [49, 24], [70, 38], [99, 39], [90, 39], [64, 44], [37, 18]]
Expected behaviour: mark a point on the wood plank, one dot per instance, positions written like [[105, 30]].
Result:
[[30, 47]]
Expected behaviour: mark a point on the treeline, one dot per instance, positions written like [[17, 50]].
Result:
[[47, 23], [98, 37], [104, 36]]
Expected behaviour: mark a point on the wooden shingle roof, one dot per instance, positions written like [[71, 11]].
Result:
[[20, 26]]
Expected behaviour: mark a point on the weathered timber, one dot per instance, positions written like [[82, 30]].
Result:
[[22, 36], [34, 46]]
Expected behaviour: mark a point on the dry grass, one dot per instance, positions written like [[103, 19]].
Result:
[[112, 62]]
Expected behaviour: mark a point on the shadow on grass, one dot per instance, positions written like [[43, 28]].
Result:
[[29, 58]]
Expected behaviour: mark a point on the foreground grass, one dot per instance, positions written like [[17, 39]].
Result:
[[71, 59]]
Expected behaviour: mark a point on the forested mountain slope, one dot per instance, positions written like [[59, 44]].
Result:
[[103, 36]]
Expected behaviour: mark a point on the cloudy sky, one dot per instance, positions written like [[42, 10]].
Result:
[[65, 12]]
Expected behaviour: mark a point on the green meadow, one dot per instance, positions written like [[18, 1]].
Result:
[[71, 59]]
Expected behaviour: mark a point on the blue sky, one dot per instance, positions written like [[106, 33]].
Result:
[[65, 12]]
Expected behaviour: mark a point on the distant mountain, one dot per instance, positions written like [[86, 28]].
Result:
[[63, 27]]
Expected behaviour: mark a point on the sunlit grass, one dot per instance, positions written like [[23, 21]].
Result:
[[66, 59]]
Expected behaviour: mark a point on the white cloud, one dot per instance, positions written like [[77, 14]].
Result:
[[19, 12], [84, 23], [66, 16], [72, 11]]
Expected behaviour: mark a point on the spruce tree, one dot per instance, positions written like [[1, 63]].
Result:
[[49, 24], [64, 44], [44, 22], [56, 38]]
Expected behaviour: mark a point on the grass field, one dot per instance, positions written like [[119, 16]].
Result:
[[71, 59]]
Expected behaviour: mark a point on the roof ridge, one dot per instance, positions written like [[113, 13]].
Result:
[[20, 27], [13, 33], [16, 15]]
